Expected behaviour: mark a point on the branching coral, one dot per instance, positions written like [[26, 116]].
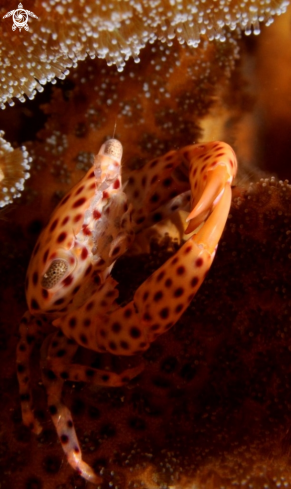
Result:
[[14, 170], [68, 31]]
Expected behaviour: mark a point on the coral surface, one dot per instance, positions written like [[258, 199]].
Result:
[[66, 32]]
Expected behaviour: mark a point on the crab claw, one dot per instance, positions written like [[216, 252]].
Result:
[[212, 167]]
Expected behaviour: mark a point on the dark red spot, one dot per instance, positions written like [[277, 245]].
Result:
[[194, 281], [87, 322], [116, 184], [45, 256], [158, 296], [103, 333], [84, 253], [89, 306], [79, 190], [178, 292], [181, 270], [96, 214], [155, 327], [112, 345], [76, 289], [164, 313], [127, 313], [88, 270], [105, 377], [168, 282], [179, 308], [147, 317], [35, 278], [187, 249], [220, 154], [76, 450], [79, 202], [91, 174], [174, 261], [167, 182], [124, 345], [59, 302], [61, 237], [143, 181], [134, 332], [160, 276], [206, 158], [199, 262], [68, 280], [155, 198], [145, 295], [105, 195], [72, 322], [52, 409], [64, 221], [64, 439], [53, 225], [70, 424], [92, 186], [34, 304], [158, 216], [44, 293], [116, 327], [136, 194], [154, 179], [153, 163], [83, 339], [78, 217], [86, 230], [140, 220]]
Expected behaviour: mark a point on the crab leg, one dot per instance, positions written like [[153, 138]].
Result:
[[29, 330], [57, 354]]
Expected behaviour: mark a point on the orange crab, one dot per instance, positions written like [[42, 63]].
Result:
[[69, 282]]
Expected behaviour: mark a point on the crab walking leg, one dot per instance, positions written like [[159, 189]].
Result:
[[57, 354], [60, 414], [29, 330]]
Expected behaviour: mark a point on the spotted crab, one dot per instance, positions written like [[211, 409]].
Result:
[[68, 280]]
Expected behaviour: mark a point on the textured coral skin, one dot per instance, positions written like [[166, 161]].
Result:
[[66, 32]]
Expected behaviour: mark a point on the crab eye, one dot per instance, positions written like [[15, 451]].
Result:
[[56, 271]]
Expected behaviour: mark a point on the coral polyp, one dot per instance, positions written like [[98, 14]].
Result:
[[67, 32], [14, 170]]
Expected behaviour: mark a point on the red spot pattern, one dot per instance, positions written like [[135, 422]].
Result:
[[68, 280], [84, 253], [79, 202], [96, 214]]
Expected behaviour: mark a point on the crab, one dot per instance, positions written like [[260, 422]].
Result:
[[69, 284]]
